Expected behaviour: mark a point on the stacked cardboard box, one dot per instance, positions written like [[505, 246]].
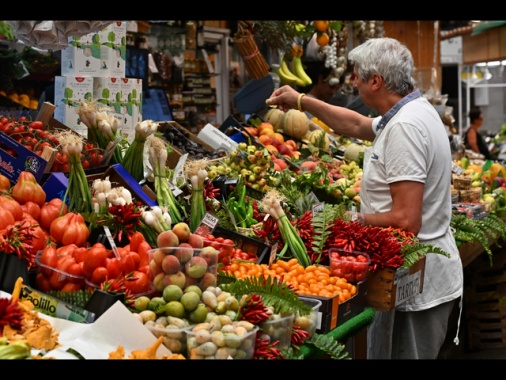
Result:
[[94, 66]]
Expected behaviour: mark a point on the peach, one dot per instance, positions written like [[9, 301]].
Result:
[[292, 144], [281, 163], [182, 230], [307, 166], [285, 150], [171, 264], [177, 278], [184, 252], [189, 281], [265, 125], [275, 142], [158, 281], [196, 241], [167, 239], [271, 148], [210, 254], [157, 255], [154, 268], [279, 137], [209, 279], [264, 139], [196, 267]]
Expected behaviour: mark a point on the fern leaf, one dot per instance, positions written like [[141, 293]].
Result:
[[329, 346], [273, 292]]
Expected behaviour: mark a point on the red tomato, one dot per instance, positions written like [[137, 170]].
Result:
[[71, 287], [136, 258], [113, 267], [99, 275], [75, 272], [94, 258], [31, 208], [48, 258], [138, 283], [145, 269], [43, 283], [135, 240], [50, 211], [127, 264], [37, 124], [79, 254], [338, 272], [142, 250], [57, 280]]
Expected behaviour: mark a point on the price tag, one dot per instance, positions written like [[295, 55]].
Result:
[[408, 285], [111, 242], [318, 207], [210, 221], [274, 250], [179, 169], [457, 169], [175, 190]]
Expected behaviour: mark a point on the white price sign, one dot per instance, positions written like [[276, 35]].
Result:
[[408, 285]]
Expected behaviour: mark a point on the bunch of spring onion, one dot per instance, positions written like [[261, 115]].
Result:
[[157, 218], [196, 173], [103, 127], [78, 191], [157, 156], [133, 161], [271, 204]]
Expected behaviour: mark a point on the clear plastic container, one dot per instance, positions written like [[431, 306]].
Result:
[[350, 265], [233, 344], [278, 328], [183, 266], [312, 321]]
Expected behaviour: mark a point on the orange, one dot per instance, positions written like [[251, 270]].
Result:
[[321, 26], [322, 39]]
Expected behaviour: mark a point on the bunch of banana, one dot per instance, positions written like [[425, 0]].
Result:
[[285, 74], [298, 70]]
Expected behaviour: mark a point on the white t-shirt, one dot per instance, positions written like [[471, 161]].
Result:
[[414, 146]]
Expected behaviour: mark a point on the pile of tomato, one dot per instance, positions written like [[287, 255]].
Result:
[[71, 268], [35, 136], [352, 267]]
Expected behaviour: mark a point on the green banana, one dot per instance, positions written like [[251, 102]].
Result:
[[283, 78], [298, 70], [288, 73]]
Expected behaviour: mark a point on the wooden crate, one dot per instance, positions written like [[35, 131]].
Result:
[[486, 329], [383, 293]]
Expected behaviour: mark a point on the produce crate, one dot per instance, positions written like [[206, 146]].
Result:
[[487, 330], [11, 165], [389, 288], [119, 176], [175, 155], [245, 243], [333, 314]]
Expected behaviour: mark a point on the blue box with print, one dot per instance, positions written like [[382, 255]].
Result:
[[55, 186]]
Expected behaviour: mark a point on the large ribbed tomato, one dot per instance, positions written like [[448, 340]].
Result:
[[50, 211], [12, 206], [69, 229], [27, 189]]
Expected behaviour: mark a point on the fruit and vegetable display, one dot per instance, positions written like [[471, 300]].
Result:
[[201, 293]]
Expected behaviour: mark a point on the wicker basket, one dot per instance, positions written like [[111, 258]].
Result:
[[255, 63]]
